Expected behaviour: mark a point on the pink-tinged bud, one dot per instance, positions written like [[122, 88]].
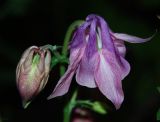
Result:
[[82, 115], [32, 72]]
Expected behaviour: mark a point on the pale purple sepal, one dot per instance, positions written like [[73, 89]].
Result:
[[108, 77], [65, 81], [131, 39]]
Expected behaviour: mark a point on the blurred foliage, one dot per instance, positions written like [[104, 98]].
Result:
[[14, 7], [99, 108], [96, 106], [158, 115], [24, 23]]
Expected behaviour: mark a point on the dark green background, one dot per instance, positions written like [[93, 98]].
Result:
[[38, 22]]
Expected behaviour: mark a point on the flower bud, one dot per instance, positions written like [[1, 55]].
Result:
[[32, 72], [82, 115]]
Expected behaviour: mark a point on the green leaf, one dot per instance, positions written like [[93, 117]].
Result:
[[54, 61], [158, 114], [94, 106], [26, 104], [99, 108]]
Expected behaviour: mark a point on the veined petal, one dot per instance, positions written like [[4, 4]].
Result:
[[63, 84], [108, 79], [130, 38], [24, 56], [27, 51], [119, 45], [105, 35], [120, 51], [91, 48], [124, 67], [85, 72], [79, 36]]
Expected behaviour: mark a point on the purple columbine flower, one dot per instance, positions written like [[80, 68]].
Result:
[[97, 59]]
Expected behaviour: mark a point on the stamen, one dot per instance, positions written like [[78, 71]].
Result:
[[87, 37], [99, 41]]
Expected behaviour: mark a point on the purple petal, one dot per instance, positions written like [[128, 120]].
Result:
[[129, 38], [120, 51], [63, 84], [108, 78], [119, 45], [85, 72], [91, 48], [105, 35], [124, 68], [79, 36]]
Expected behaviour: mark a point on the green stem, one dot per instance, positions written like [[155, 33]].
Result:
[[83, 103], [67, 38], [50, 47], [68, 109]]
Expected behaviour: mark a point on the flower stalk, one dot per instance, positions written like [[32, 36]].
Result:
[[73, 103]]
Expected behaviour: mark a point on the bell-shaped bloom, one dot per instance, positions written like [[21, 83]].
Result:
[[32, 72], [97, 58]]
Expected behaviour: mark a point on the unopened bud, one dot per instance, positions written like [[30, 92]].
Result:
[[82, 115], [32, 72]]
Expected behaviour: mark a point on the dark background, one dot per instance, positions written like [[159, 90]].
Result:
[[38, 22]]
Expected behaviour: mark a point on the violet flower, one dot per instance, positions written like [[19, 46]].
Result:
[[97, 59]]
